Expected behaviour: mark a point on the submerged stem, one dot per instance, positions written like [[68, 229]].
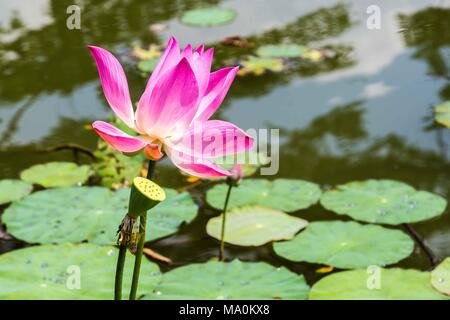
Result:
[[140, 247], [224, 218], [418, 239]]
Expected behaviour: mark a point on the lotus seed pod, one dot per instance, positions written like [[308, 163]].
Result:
[[145, 194]]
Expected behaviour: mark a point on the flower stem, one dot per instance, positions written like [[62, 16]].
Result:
[[224, 218], [140, 247], [138, 258], [119, 272]]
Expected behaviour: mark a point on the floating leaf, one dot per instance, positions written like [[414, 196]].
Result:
[[50, 272], [206, 17], [89, 213], [56, 174], [347, 245], [440, 277], [234, 280], [154, 51], [166, 217], [70, 214], [255, 226], [383, 201], [147, 65], [282, 194], [250, 161], [442, 113], [375, 284], [13, 190], [258, 66], [281, 51]]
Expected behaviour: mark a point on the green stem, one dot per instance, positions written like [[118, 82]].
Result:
[[138, 258], [140, 247], [224, 218], [119, 272]]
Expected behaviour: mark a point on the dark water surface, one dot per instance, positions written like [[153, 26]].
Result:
[[367, 115]]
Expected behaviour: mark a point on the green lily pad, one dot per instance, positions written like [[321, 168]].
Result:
[[258, 66], [50, 272], [206, 17], [392, 284], [255, 226], [440, 277], [281, 51], [442, 113], [167, 216], [148, 65], [250, 161], [89, 213], [282, 194], [347, 245], [13, 190], [234, 280], [383, 201], [56, 174], [71, 214]]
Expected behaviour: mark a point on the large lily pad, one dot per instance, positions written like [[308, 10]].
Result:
[[70, 214], [166, 217], [56, 174], [50, 272], [282, 194], [281, 51], [234, 280], [206, 17], [255, 226], [442, 113], [347, 245], [383, 201], [259, 65], [373, 284], [440, 277], [89, 213], [12, 190]]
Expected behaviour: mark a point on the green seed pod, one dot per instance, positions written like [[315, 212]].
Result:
[[145, 194]]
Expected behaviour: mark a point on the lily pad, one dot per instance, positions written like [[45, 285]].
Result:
[[281, 51], [167, 216], [56, 174], [258, 66], [255, 226], [440, 277], [206, 17], [13, 190], [383, 201], [347, 245], [51, 272], [442, 113], [234, 280], [376, 284], [71, 214], [89, 213], [282, 194], [148, 65]]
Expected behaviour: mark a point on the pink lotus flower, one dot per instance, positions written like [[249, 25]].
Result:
[[172, 113]]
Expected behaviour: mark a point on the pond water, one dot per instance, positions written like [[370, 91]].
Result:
[[368, 115]]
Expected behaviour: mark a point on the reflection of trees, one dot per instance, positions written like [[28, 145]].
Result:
[[334, 149], [429, 30], [55, 59]]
